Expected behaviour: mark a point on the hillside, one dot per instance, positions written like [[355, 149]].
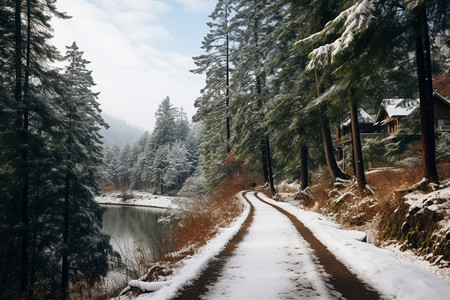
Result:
[[120, 132]]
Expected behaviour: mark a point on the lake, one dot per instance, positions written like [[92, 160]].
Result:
[[138, 234]]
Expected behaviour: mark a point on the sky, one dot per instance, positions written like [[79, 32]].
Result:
[[140, 52]]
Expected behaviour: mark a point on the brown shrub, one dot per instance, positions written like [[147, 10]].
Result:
[[319, 191], [201, 219], [106, 186], [285, 188], [443, 170]]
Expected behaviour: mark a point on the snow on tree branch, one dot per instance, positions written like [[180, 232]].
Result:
[[357, 19]]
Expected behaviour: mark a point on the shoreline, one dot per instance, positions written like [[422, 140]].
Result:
[[140, 199], [135, 205]]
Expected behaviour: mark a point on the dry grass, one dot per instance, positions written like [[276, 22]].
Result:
[[287, 188], [444, 170], [416, 231], [107, 187], [201, 219], [319, 191], [384, 182]]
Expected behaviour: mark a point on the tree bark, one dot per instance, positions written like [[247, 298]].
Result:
[[356, 139], [424, 77], [333, 168], [22, 127], [65, 256], [228, 88], [264, 160], [304, 167], [269, 165]]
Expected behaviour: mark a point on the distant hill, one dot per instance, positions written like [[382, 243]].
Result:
[[120, 132]]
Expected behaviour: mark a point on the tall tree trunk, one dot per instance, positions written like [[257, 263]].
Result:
[[356, 139], [22, 127], [304, 167], [426, 94], [269, 165], [264, 160], [303, 159], [228, 90], [353, 157], [34, 233], [65, 256], [333, 168]]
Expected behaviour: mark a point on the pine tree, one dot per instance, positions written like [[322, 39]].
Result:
[[178, 167], [165, 130], [213, 107], [250, 79], [84, 245], [28, 86], [216, 63], [355, 56]]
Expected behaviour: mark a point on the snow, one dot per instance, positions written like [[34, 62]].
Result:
[[194, 265], [399, 107], [284, 265], [363, 118], [357, 18], [394, 278], [141, 199], [274, 253], [435, 201]]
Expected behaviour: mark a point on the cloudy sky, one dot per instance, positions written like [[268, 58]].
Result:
[[140, 51]]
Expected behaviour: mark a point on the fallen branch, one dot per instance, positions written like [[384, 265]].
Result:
[[421, 185], [148, 286], [304, 195]]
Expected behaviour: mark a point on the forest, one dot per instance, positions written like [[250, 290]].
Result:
[[50, 158], [280, 75], [161, 161]]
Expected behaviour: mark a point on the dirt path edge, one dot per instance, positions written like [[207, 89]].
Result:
[[341, 278], [211, 273]]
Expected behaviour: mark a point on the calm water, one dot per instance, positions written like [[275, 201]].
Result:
[[135, 228], [137, 233]]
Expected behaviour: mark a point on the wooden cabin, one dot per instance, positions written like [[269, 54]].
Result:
[[392, 112], [441, 113]]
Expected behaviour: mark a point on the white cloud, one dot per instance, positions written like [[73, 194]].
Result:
[[195, 5], [120, 38]]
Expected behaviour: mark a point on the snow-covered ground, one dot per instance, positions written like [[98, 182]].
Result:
[[141, 199], [273, 259], [272, 262]]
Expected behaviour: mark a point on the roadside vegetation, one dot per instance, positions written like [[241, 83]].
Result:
[[417, 219]]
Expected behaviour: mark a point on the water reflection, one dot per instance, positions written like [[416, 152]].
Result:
[[136, 227]]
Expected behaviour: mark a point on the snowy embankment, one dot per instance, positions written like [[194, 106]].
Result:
[[140, 199], [394, 278], [379, 268], [192, 266]]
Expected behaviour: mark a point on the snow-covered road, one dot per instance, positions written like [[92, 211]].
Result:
[[272, 262]]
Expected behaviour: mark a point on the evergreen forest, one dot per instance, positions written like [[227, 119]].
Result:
[[280, 76]]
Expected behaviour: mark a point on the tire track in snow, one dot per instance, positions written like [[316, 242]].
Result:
[[270, 261], [212, 272], [343, 281]]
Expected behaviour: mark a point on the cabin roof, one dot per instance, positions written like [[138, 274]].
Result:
[[436, 95], [399, 107], [363, 118]]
